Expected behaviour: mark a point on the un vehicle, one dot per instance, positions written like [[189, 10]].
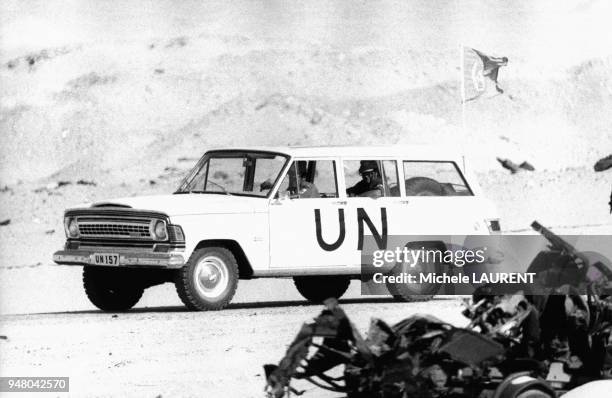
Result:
[[271, 212]]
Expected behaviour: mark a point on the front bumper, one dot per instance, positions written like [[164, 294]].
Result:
[[127, 258]]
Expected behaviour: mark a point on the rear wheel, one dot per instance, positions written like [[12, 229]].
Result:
[[413, 291], [209, 279], [111, 289], [318, 288]]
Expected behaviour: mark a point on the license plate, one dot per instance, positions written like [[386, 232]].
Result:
[[105, 259]]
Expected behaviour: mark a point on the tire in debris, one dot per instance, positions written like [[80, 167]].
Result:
[[318, 288], [111, 289], [521, 385], [534, 394], [409, 292], [209, 279]]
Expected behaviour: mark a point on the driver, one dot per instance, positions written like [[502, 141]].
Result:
[[371, 182]]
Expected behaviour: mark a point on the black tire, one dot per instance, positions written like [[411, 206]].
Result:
[[209, 279], [522, 385], [534, 393], [318, 288], [424, 186], [412, 295], [411, 292], [111, 289]]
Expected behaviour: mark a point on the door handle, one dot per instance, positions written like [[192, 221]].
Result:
[[404, 202], [339, 202]]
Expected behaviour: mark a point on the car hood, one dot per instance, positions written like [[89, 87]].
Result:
[[185, 204]]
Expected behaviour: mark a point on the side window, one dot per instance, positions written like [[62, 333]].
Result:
[[324, 177], [371, 178], [434, 179], [308, 179]]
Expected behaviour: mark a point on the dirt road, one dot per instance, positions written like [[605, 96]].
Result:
[[166, 351]]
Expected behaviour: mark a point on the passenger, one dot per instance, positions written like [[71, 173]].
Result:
[[371, 182]]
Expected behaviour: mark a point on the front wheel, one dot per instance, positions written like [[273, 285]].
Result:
[[111, 289], [318, 288], [209, 279]]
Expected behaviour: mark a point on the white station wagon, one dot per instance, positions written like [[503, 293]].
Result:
[[245, 213]]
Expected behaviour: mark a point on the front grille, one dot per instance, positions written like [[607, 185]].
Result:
[[119, 230], [90, 227]]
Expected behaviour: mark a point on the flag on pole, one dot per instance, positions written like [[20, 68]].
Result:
[[480, 72]]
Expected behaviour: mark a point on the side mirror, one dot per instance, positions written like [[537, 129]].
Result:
[[266, 185]]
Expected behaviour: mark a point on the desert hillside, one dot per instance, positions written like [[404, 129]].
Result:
[[111, 87]]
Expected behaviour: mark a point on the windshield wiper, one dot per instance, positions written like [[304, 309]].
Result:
[[194, 191], [220, 186]]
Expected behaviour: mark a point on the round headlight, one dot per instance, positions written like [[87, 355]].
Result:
[[72, 229], [160, 230]]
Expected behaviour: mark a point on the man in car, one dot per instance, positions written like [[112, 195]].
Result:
[[371, 182]]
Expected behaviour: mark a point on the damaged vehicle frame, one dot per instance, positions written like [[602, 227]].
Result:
[[539, 340], [244, 213]]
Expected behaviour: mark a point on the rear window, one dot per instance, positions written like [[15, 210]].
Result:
[[424, 178]]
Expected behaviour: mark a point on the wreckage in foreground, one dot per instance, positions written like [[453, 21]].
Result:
[[516, 345]]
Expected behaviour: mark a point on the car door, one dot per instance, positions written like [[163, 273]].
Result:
[[308, 218]]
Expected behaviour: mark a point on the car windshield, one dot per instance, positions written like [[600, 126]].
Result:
[[234, 173]]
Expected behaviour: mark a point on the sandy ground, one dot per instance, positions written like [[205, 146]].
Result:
[[167, 351], [128, 96]]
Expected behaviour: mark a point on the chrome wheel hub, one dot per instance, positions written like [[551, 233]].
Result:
[[211, 277]]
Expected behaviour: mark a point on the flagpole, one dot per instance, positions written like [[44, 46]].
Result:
[[462, 71], [462, 79]]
